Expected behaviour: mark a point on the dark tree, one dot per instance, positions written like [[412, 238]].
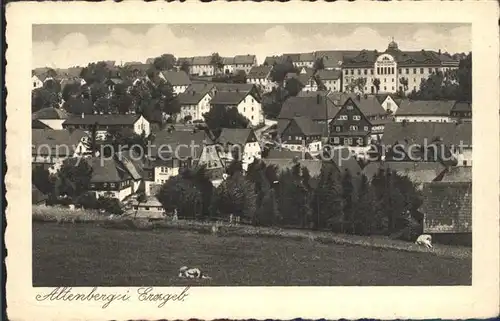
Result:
[[219, 116]]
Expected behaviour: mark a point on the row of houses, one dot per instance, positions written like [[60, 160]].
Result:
[[396, 70], [311, 120]]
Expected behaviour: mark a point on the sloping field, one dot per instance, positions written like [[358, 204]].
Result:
[[88, 255]]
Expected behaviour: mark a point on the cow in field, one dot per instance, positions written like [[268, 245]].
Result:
[[425, 240], [192, 273]]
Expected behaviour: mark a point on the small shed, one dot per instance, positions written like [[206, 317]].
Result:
[[152, 208]]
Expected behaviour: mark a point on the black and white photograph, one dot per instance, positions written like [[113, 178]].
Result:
[[252, 154], [313, 159]]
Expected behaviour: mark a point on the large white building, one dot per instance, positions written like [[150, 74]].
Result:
[[396, 70], [245, 102]]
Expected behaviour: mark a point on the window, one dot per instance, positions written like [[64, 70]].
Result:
[[421, 70], [356, 117], [371, 71], [343, 117], [244, 109], [34, 84], [385, 79], [136, 207], [353, 127], [359, 71], [366, 128], [92, 185], [430, 70], [399, 71], [146, 208], [289, 137], [360, 141], [349, 107], [378, 70], [407, 71], [392, 70], [338, 128], [105, 184], [366, 72], [385, 88], [349, 141], [352, 71], [347, 72], [336, 140], [414, 70], [112, 185], [392, 87], [465, 163]]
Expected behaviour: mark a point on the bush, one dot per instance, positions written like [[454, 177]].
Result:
[[87, 200], [110, 205]]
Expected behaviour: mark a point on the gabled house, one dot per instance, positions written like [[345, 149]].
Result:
[[51, 117], [260, 76], [179, 80], [306, 78], [50, 147], [331, 79], [36, 81], [447, 209], [173, 151], [137, 123], [461, 112], [425, 111], [304, 135], [246, 103], [389, 102], [450, 143], [359, 121], [316, 106], [306, 60], [201, 66], [116, 177], [194, 104], [111, 83], [239, 143], [243, 62]]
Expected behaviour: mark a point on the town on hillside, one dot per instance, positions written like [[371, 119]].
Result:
[[359, 142]]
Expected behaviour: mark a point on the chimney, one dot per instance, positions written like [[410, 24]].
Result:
[[83, 115], [194, 92], [439, 51], [358, 97]]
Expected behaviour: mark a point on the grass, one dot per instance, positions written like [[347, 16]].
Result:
[[91, 255]]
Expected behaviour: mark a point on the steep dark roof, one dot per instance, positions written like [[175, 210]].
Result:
[[105, 170], [228, 98], [271, 60], [201, 60], [418, 132], [200, 87], [37, 124], [282, 125], [50, 113], [369, 106], [316, 108], [234, 136], [462, 106], [447, 207], [78, 106], [329, 74], [179, 144], [259, 72], [244, 59], [110, 120], [294, 57], [131, 162], [56, 139], [425, 107], [191, 98], [307, 56], [176, 78], [307, 126], [365, 58], [334, 58]]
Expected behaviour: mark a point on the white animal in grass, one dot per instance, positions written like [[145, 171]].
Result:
[[424, 239], [192, 273]]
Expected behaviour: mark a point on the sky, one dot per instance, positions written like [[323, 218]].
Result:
[[66, 45]]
